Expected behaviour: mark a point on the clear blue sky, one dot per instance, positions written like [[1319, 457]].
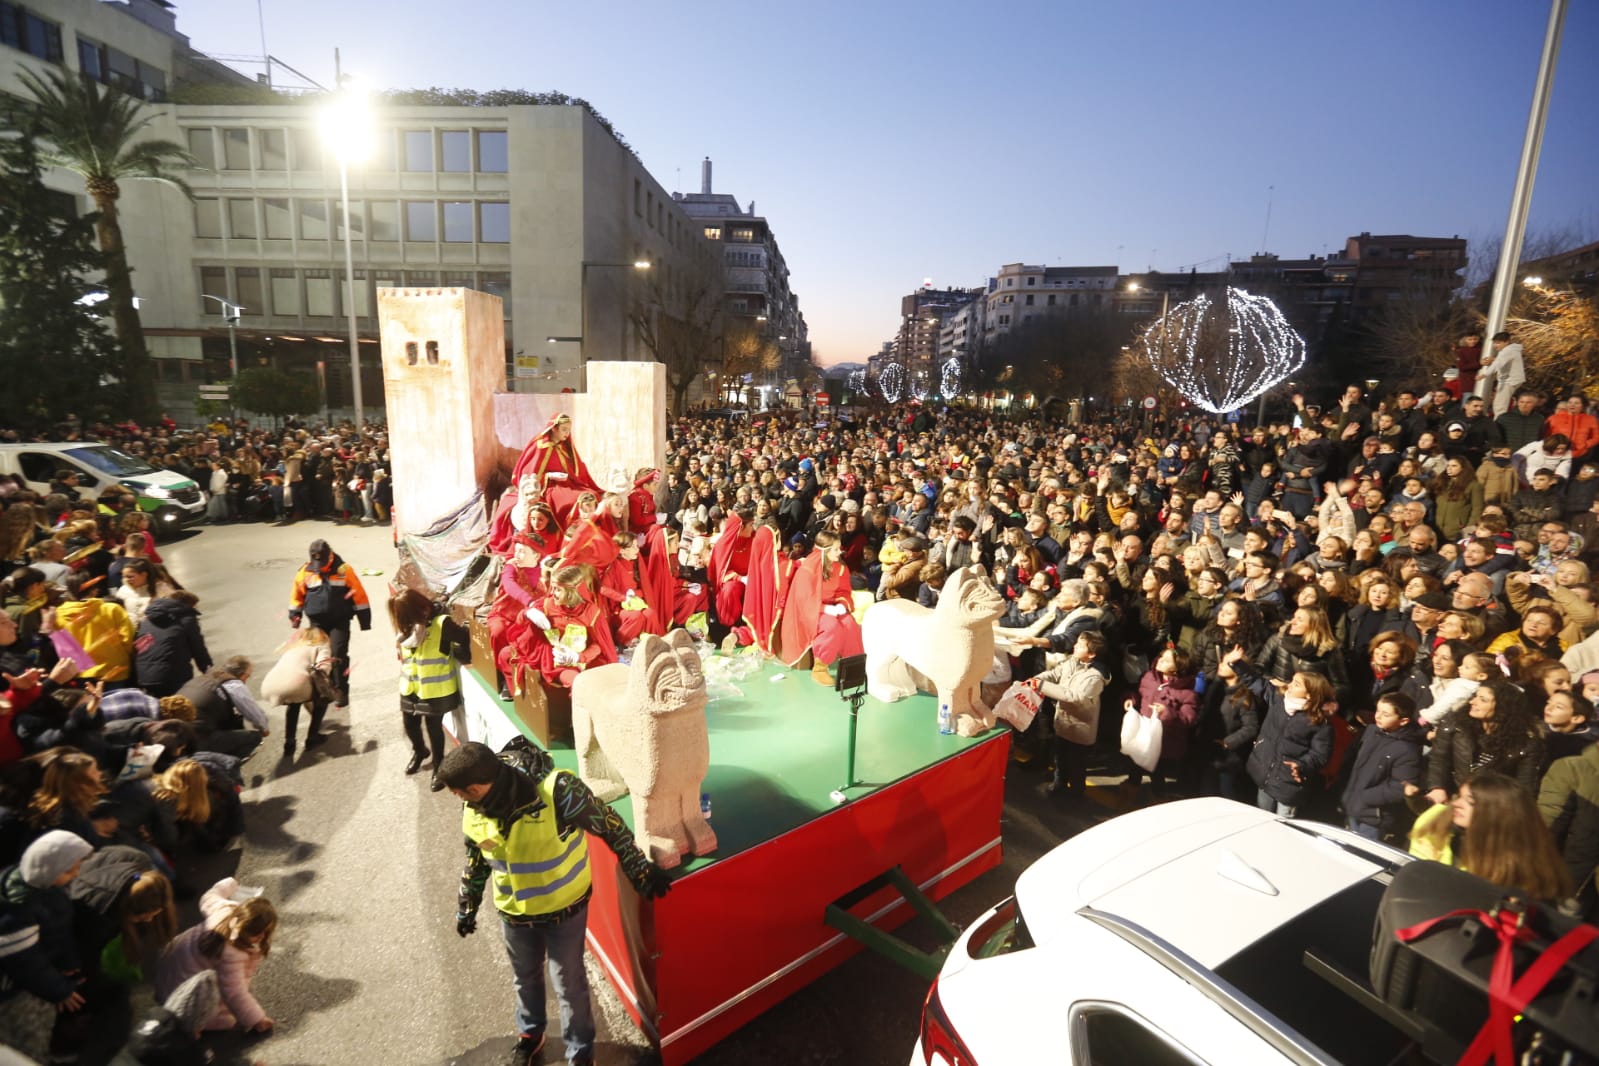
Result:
[[890, 142]]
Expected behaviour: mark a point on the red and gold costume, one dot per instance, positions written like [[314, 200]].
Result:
[[811, 618], [553, 457]]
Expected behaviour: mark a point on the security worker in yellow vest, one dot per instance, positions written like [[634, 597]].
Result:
[[524, 823], [430, 644]]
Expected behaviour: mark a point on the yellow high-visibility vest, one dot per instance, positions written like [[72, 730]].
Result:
[[536, 870], [426, 672]]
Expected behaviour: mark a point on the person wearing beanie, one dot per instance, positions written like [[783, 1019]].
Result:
[[328, 592], [37, 947], [525, 823], [169, 1035]]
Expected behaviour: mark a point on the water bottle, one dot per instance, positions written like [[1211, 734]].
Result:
[[705, 805], [946, 720]]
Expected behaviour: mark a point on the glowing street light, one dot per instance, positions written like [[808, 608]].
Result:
[[346, 124], [1532, 282]]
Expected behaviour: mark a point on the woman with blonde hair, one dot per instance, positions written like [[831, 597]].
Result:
[[1305, 644], [158, 810], [303, 675]]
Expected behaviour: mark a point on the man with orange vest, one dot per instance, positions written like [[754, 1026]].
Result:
[[328, 592]]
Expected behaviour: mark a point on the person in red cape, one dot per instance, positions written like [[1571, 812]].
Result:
[[689, 597], [510, 631], [588, 537], [641, 512], [553, 457], [816, 614], [660, 574], [761, 591], [581, 632], [514, 515], [730, 564], [625, 591]]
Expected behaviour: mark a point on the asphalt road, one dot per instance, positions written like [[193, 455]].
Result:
[[362, 863]]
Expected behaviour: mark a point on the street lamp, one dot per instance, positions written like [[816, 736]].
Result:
[[230, 314], [1532, 281], [639, 265], [347, 131]]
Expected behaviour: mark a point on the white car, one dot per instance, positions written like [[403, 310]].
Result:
[[1204, 931]]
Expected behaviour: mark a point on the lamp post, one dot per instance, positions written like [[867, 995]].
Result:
[[640, 265], [347, 131], [230, 314]]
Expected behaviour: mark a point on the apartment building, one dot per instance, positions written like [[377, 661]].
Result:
[[540, 205], [1021, 292]]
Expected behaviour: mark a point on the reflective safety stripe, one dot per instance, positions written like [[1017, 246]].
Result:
[[538, 867], [425, 671], [580, 870]]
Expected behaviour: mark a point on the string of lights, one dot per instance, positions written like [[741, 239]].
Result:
[[891, 382], [950, 379], [1222, 353]]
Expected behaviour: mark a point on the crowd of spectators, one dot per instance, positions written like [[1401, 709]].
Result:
[[1351, 613], [249, 474], [120, 750]]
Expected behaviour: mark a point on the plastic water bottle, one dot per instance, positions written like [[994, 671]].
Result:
[[705, 805], [946, 720]]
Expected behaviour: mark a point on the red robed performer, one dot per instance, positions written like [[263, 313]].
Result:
[[564, 607], [553, 457], [816, 614], [660, 574], [641, 512], [521, 586], [629, 574], [730, 565], [760, 593], [688, 597], [512, 512]]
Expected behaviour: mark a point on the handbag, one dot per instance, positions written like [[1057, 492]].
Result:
[[1141, 739]]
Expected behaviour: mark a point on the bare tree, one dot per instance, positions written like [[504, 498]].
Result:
[[1559, 334], [748, 350], [681, 325]]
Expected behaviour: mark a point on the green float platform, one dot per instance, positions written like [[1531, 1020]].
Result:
[[744, 928]]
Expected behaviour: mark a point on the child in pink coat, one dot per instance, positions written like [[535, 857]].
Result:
[[233, 938]]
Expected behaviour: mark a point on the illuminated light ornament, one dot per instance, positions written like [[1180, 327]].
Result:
[[891, 382], [922, 383], [950, 379], [857, 381], [1222, 355]]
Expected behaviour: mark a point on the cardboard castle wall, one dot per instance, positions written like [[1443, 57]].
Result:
[[452, 428]]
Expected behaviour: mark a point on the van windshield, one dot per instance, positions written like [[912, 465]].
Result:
[[110, 461]]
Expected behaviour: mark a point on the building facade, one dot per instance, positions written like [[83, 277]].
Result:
[[1020, 292], [540, 205]]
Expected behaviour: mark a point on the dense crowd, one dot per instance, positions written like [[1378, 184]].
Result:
[[121, 744], [249, 473], [1378, 613]]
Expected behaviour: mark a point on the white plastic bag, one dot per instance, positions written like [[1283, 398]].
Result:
[[1141, 739], [141, 762], [1019, 705]]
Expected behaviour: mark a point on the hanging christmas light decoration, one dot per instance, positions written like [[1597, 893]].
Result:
[[1222, 352], [922, 383], [857, 381], [950, 379], [891, 381]]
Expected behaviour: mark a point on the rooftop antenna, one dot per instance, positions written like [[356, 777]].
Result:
[[1265, 233]]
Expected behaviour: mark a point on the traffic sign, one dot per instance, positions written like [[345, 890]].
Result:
[[823, 399], [214, 392], [1149, 403]]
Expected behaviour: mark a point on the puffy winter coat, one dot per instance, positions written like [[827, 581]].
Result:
[[182, 959], [1285, 738], [1179, 710], [289, 680], [106, 633], [167, 642], [1456, 755], [1384, 764]]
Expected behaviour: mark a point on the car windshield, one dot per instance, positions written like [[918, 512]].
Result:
[[1273, 972], [110, 461]]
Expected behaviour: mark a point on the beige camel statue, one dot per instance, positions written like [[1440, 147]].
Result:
[[640, 728], [948, 648]]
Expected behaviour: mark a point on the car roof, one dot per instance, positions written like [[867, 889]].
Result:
[[1209, 876]]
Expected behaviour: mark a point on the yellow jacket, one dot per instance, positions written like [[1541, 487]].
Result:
[[106, 633], [1431, 836]]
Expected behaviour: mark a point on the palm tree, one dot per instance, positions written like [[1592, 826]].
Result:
[[95, 132]]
